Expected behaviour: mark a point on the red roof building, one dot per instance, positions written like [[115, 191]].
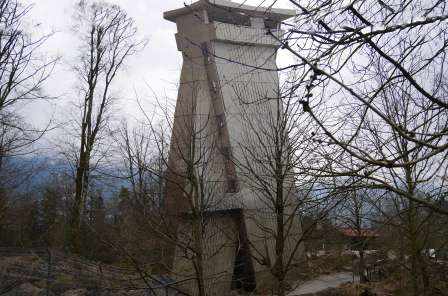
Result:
[[359, 233]]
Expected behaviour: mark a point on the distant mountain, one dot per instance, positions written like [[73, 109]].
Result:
[[26, 174]]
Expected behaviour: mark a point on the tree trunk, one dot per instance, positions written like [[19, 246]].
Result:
[[362, 267], [279, 268], [78, 205], [197, 235]]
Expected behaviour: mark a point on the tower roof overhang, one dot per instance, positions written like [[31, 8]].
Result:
[[226, 6]]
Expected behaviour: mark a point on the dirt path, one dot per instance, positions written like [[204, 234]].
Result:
[[323, 282]]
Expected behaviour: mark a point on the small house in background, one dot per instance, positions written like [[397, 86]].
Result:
[[321, 237], [324, 237], [356, 239]]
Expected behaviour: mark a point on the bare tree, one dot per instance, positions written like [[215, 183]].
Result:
[[174, 199], [143, 168], [108, 38], [196, 226], [413, 236], [195, 194], [23, 72], [376, 87], [144, 164], [273, 158], [355, 214]]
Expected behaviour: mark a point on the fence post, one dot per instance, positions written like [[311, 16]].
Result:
[[48, 272]]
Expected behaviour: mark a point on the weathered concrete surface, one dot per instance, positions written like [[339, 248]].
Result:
[[322, 283]]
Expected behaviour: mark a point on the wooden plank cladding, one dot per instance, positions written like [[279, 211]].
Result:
[[245, 35]]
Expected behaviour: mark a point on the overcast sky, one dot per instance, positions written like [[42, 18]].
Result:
[[156, 69]]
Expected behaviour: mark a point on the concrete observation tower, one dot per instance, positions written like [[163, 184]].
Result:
[[227, 83]]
